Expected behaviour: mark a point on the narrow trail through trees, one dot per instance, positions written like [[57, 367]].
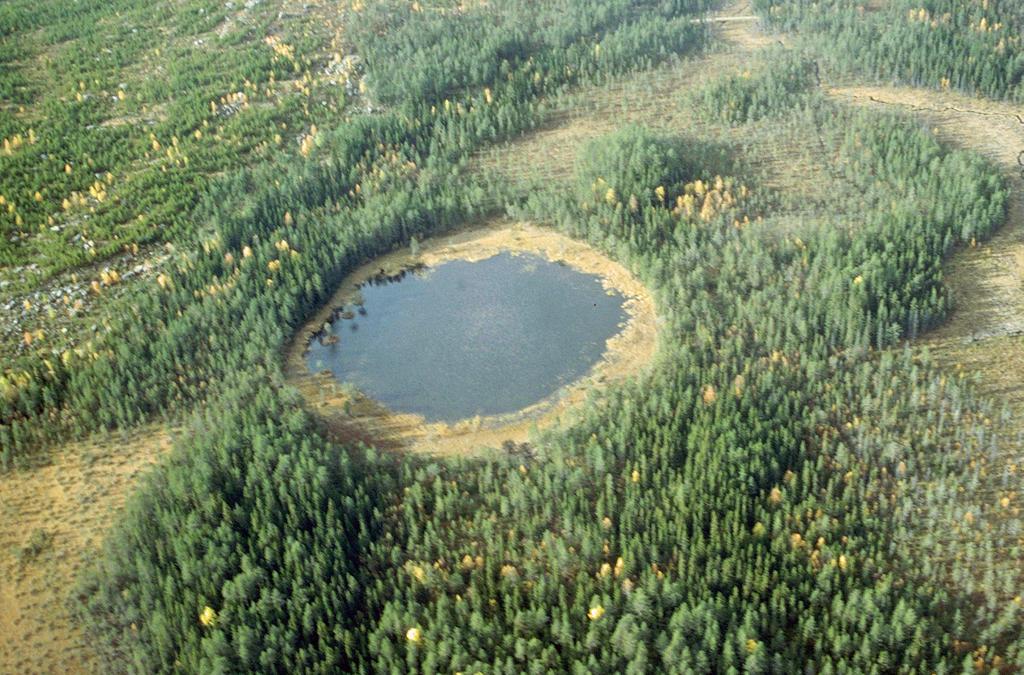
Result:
[[737, 26]]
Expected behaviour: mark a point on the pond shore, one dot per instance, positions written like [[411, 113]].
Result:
[[352, 416]]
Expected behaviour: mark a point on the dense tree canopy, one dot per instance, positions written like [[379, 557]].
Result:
[[773, 89], [972, 46]]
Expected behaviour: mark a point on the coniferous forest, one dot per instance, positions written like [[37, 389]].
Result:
[[793, 485]]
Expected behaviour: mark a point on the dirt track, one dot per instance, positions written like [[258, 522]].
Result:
[[736, 25]]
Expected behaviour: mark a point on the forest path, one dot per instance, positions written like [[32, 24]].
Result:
[[737, 26], [53, 518], [728, 19]]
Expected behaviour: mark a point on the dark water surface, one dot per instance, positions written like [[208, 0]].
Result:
[[471, 338]]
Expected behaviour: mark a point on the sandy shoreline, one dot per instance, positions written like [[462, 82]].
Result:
[[351, 416]]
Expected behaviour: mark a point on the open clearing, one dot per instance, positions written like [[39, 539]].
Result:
[[52, 519]]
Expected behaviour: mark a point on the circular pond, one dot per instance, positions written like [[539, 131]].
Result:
[[475, 340], [467, 338]]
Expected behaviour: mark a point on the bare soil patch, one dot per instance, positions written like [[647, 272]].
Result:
[[736, 24], [52, 520], [353, 416]]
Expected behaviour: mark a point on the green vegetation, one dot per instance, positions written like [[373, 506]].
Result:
[[284, 233], [629, 163], [38, 542], [107, 139], [973, 45], [115, 119], [712, 516], [777, 494], [278, 526], [777, 87]]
